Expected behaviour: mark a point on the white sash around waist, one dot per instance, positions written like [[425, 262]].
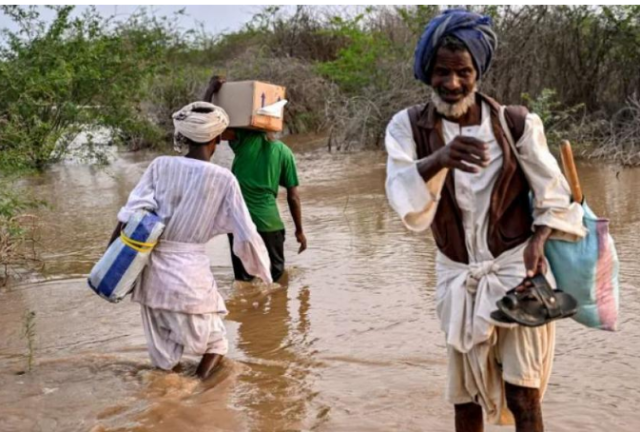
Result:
[[165, 246], [467, 294]]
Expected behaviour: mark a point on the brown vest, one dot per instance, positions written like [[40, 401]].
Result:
[[510, 212]]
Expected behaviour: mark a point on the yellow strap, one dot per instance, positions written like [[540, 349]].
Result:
[[136, 245]]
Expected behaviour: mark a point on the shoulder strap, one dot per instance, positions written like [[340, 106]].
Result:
[[414, 115], [516, 116], [414, 112], [509, 133]]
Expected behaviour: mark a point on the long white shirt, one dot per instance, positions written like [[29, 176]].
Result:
[[467, 294], [197, 201], [467, 322]]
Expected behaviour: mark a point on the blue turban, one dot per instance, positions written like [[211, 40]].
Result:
[[474, 30]]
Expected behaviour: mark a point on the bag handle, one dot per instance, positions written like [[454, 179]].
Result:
[[137, 246], [568, 163], [507, 132]]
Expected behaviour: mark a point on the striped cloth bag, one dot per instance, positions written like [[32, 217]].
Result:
[[588, 270], [115, 275]]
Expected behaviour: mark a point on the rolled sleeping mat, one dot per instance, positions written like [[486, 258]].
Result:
[[115, 274]]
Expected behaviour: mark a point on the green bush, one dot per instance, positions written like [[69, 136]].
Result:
[[56, 79], [553, 114], [356, 67], [15, 231]]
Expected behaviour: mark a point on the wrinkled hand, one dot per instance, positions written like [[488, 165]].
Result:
[[300, 237], [464, 153], [534, 258]]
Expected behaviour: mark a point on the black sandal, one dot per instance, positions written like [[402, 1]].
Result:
[[535, 306]]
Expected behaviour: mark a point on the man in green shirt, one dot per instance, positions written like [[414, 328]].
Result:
[[261, 166]]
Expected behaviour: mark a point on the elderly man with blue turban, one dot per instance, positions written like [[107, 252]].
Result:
[[464, 165]]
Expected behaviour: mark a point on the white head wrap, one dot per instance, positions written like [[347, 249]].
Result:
[[200, 127]]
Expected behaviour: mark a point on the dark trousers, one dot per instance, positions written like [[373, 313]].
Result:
[[274, 241]]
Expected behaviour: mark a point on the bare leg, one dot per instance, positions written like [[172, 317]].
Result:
[[525, 405], [469, 418], [208, 365]]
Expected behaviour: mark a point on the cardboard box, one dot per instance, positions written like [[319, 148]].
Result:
[[243, 99]]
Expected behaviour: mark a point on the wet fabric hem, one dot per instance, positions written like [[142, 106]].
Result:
[[522, 382]]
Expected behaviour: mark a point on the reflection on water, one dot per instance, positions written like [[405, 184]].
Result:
[[349, 342], [272, 340]]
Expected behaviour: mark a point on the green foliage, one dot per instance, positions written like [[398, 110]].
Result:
[[545, 105], [14, 230], [29, 333], [13, 204], [174, 87], [356, 67], [58, 78], [551, 111], [81, 73], [417, 17], [264, 20]]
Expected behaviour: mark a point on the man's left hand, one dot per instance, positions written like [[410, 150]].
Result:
[[302, 239], [534, 259]]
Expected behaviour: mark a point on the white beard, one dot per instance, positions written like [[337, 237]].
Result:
[[455, 110]]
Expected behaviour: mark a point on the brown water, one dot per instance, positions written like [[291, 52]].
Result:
[[350, 343]]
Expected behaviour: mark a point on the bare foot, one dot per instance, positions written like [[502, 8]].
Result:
[[209, 364]]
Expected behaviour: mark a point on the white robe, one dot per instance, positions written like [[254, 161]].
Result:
[[181, 307], [467, 294], [197, 201]]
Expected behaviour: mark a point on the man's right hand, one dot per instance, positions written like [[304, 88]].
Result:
[[215, 84], [464, 153], [228, 135]]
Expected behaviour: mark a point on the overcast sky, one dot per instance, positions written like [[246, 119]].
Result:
[[216, 19]]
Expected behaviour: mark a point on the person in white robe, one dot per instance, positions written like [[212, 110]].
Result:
[[182, 310], [496, 368]]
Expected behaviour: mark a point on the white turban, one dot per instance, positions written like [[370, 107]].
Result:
[[200, 127]]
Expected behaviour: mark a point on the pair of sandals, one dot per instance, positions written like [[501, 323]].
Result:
[[535, 305]]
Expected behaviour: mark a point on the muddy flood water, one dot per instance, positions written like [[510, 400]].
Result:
[[350, 342]]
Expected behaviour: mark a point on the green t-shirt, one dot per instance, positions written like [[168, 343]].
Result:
[[261, 166]]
